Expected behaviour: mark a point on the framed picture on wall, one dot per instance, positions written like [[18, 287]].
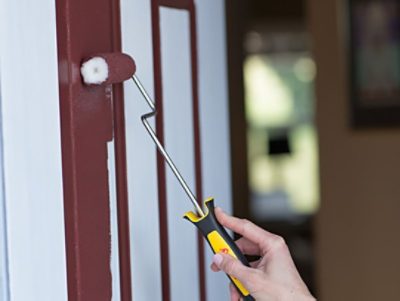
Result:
[[374, 44]]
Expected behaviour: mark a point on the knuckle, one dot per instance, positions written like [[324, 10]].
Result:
[[246, 222], [230, 267], [245, 225], [279, 242]]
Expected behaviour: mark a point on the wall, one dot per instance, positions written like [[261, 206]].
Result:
[[357, 226]]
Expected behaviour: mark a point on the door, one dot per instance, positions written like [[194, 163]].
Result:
[[85, 191]]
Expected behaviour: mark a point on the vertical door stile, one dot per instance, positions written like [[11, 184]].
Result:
[[85, 28], [162, 203], [197, 143], [121, 169]]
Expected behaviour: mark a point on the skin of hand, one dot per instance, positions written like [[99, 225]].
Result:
[[274, 276]]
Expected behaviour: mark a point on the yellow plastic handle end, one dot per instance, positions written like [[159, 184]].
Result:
[[219, 245]]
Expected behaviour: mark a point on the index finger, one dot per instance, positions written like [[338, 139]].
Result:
[[247, 229]]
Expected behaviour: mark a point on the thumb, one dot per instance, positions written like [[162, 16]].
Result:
[[235, 268]]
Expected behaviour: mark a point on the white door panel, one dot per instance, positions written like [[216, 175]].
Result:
[[179, 140], [32, 151], [141, 155]]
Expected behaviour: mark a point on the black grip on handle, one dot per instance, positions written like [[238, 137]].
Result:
[[219, 241]]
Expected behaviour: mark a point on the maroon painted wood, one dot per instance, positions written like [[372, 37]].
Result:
[[190, 7], [85, 27], [179, 4], [121, 170], [197, 144], [161, 176]]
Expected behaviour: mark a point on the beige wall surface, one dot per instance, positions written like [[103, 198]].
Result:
[[357, 229]]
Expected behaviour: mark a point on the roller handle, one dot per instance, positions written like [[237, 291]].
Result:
[[219, 241]]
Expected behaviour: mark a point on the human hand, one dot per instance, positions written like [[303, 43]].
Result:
[[274, 276]]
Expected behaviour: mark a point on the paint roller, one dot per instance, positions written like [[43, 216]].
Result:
[[112, 68]]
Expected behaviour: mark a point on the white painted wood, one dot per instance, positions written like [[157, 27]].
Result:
[[116, 293], [4, 281], [214, 120], [141, 155], [32, 151], [179, 142]]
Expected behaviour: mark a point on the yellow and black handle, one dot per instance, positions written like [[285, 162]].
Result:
[[219, 240]]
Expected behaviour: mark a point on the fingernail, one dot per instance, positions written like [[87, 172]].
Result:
[[217, 259]]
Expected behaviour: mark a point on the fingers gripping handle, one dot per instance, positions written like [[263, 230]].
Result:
[[219, 241]]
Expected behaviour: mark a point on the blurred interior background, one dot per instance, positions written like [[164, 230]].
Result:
[[321, 146]]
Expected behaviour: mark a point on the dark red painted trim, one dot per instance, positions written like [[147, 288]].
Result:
[[179, 4], [121, 170], [197, 143], [83, 28], [162, 190], [187, 5]]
